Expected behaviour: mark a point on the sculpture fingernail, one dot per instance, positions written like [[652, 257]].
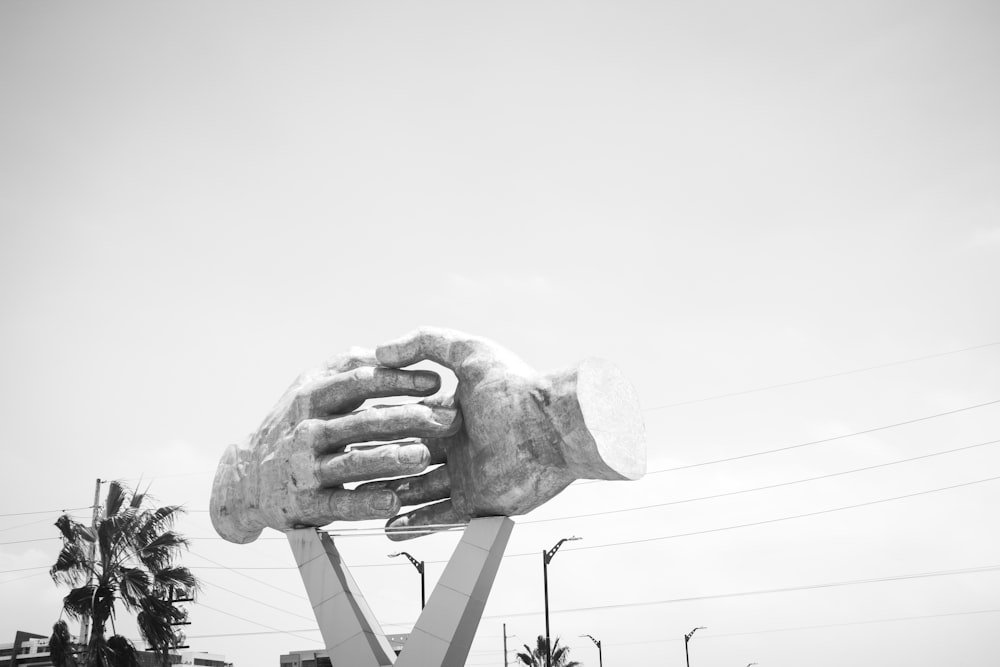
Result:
[[383, 502]]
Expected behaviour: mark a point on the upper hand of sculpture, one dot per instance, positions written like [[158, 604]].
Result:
[[524, 436], [291, 472]]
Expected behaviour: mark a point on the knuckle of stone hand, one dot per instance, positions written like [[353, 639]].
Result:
[[306, 432]]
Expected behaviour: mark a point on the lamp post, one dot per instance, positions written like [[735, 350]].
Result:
[[597, 642], [687, 638], [546, 559], [419, 564]]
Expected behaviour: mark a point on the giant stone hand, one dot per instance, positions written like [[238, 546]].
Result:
[[291, 472], [524, 437]]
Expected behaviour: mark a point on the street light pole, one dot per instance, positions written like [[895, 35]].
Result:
[[419, 564], [687, 638], [597, 642], [546, 559]]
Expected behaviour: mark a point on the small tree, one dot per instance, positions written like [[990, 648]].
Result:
[[133, 565], [535, 657]]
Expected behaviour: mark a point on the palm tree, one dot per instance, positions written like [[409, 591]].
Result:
[[535, 657], [133, 565]]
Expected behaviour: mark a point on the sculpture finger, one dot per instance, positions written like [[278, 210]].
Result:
[[419, 489], [343, 392], [391, 422], [435, 517], [389, 460], [444, 346], [348, 505]]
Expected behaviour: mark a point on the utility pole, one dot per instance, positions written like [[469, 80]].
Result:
[[504, 645], [85, 618]]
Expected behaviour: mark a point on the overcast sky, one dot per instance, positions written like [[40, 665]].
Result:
[[201, 200]]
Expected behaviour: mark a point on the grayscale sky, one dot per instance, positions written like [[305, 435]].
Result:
[[200, 200]]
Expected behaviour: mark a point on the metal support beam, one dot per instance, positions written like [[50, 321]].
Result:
[[447, 625]]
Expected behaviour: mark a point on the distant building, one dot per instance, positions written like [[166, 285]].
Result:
[[26, 649], [322, 659], [33, 651]]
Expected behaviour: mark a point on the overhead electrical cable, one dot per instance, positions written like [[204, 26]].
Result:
[[819, 377], [766, 591], [27, 576], [761, 488], [777, 520], [824, 440], [252, 599], [236, 570], [39, 539], [25, 569], [202, 605], [25, 525], [71, 509]]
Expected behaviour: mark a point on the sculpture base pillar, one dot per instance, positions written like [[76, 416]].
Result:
[[445, 629]]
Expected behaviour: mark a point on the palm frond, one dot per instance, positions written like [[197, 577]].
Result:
[[154, 522], [134, 585], [78, 602], [117, 494], [71, 566], [177, 577], [160, 552]]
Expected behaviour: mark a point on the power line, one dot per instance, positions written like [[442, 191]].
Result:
[[27, 576], [25, 569], [25, 525], [777, 520], [761, 488], [786, 589], [247, 576], [819, 377], [71, 509], [39, 539], [824, 440], [247, 597], [220, 611]]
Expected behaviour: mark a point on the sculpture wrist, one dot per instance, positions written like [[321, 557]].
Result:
[[596, 414]]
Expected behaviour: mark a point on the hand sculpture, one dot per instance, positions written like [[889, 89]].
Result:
[[524, 437], [291, 472]]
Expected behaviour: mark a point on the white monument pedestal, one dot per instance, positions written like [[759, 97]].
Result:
[[445, 629]]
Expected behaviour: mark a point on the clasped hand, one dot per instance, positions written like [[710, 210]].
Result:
[[521, 438]]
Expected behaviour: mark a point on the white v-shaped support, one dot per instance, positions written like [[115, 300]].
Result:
[[445, 629]]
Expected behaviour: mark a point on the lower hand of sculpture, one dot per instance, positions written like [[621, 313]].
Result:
[[523, 436], [291, 472]]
